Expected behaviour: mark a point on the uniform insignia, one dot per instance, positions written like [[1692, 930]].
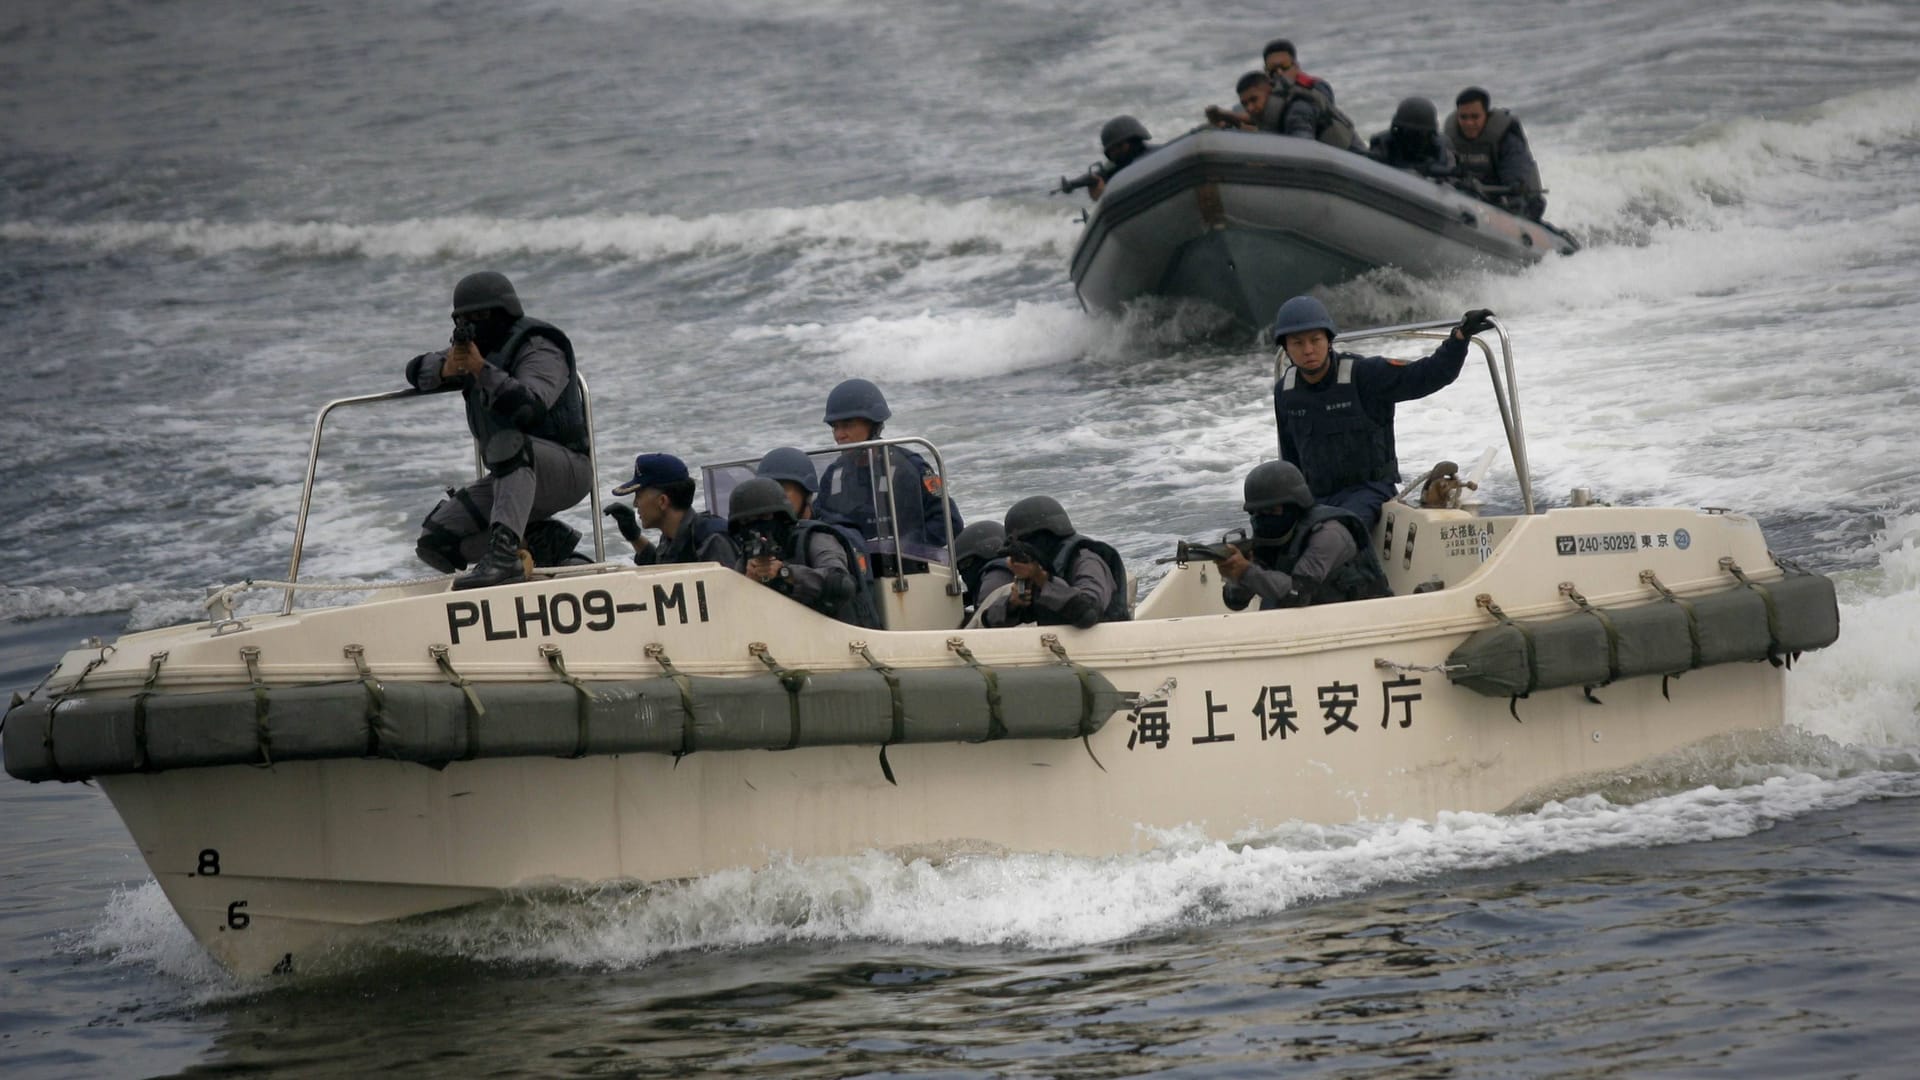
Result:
[[1399, 363]]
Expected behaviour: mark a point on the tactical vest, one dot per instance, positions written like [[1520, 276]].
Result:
[[566, 420], [695, 530], [1479, 157], [1331, 125], [1359, 578], [1062, 568], [1338, 444], [860, 610]]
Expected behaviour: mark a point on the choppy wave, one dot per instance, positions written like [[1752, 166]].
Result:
[[904, 222]]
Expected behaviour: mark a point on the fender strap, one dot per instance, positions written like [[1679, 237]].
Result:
[[1052, 642], [154, 663], [475, 710], [996, 711], [583, 703], [377, 726], [1568, 590], [262, 733], [657, 653], [1485, 600], [1647, 577], [790, 680], [899, 732]]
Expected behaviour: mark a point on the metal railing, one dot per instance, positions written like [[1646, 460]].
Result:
[[1507, 397], [480, 470]]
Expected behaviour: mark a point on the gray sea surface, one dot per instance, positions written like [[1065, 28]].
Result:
[[215, 217]]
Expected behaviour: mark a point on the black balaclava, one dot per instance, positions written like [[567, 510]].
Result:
[[777, 528], [491, 328], [1276, 529], [1047, 544]]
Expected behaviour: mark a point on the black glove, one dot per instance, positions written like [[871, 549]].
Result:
[[629, 525], [1476, 321]]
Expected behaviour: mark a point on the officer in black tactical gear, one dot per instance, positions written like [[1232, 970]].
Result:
[[527, 411], [1060, 577], [808, 561], [979, 554], [662, 491], [1335, 410], [793, 470], [1413, 141], [1302, 553], [1493, 153], [849, 495], [1124, 141]]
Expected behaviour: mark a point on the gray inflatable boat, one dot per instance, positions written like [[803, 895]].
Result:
[[1245, 220]]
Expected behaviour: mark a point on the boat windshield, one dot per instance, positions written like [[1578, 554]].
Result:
[[872, 487]]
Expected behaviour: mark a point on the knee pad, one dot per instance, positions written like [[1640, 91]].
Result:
[[440, 549], [506, 451]]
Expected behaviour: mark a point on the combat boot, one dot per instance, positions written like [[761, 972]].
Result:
[[500, 566]]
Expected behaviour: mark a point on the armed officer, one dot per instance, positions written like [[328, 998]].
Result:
[[793, 470], [526, 410], [662, 493], [1124, 141], [807, 561], [1279, 58], [979, 554], [1335, 410], [849, 495], [1412, 142], [1493, 152], [1303, 553], [1060, 577]]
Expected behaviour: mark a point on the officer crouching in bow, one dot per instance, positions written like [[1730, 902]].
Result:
[[806, 560], [526, 410], [1060, 577], [1302, 553]]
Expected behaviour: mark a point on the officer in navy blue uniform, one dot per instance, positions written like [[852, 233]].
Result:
[[1335, 410], [662, 491], [526, 409], [858, 412]]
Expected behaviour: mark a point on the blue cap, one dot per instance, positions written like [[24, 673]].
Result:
[[651, 471]]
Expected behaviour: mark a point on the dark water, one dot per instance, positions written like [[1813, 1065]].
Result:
[[215, 217]]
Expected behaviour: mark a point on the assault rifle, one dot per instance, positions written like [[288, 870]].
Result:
[[1085, 180], [1188, 551], [758, 545]]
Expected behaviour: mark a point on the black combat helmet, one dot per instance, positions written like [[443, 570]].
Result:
[[1037, 513], [485, 291], [789, 463], [1119, 130], [979, 541], [1416, 114], [857, 399], [756, 498], [1273, 485]]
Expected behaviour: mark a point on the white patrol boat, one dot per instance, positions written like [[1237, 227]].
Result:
[[292, 776]]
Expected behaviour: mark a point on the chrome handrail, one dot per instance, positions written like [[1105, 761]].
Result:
[[313, 469], [1507, 397], [939, 468]]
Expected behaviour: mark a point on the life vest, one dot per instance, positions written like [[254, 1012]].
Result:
[[1338, 444], [1062, 568], [1359, 578], [565, 421], [1330, 125], [1479, 157], [860, 609]]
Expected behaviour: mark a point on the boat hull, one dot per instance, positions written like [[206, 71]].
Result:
[[1244, 221]]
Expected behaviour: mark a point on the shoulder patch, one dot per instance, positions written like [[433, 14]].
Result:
[[1398, 363]]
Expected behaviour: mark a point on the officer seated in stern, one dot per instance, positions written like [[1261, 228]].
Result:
[[1302, 553], [808, 561], [1413, 141], [1335, 410], [526, 410], [857, 412], [979, 556], [1060, 577], [1493, 153], [662, 493]]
